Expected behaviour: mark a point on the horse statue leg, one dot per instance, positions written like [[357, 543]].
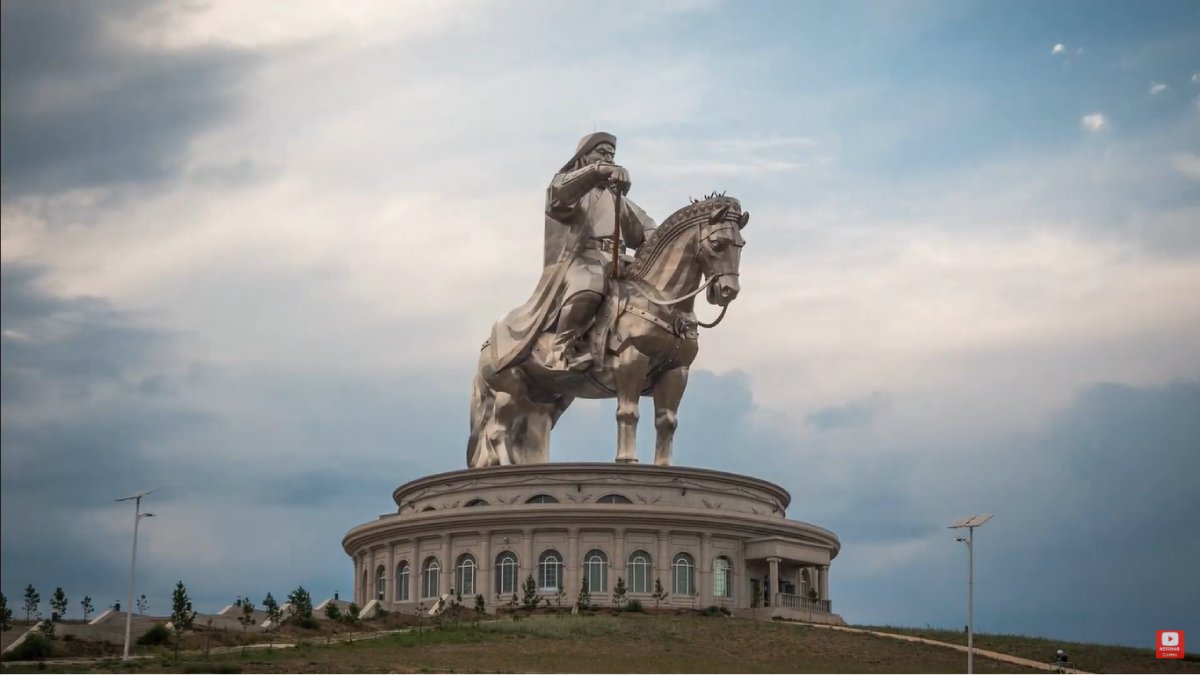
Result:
[[668, 392], [539, 421], [631, 370]]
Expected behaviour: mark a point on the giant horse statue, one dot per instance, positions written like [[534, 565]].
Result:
[[643, 341]]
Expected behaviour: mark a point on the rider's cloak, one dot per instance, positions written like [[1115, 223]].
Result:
[[513, 336]]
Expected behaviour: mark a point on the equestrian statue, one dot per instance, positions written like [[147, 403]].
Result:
[[601, 323]]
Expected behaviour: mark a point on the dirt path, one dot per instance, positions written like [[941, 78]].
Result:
[[996, 656]]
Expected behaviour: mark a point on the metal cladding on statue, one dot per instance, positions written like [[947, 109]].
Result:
[[640, 338]]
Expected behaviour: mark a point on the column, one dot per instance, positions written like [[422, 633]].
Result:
[[824, 582], [389, 575], [484, 573], [528, 563], [704, 570], [572, 566], [741, 594], [618, 559], [414, 572], [354, 579], [662, 563], [363, 580], [773, 572], [446, 579]]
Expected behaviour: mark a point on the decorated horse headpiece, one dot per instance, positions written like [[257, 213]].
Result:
[[713, 213]]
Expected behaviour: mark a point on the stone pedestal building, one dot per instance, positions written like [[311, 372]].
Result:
[[709, 537]]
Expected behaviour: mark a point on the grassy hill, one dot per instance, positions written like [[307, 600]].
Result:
[[624, 643]]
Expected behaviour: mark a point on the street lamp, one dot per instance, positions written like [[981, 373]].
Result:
[[970, 522], [137, 518]]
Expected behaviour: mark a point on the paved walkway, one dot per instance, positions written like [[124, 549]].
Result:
[[345, 637], [995, 656]]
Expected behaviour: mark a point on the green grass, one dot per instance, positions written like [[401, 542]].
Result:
[[625, 643], [1096, 658]]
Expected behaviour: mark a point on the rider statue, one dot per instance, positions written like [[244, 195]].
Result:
[[580, 233]]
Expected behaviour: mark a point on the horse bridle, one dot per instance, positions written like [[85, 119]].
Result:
[[701, 233]]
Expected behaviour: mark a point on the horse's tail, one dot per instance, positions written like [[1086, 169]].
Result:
[[483, 408]]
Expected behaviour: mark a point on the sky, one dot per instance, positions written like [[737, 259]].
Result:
[[249, 253]]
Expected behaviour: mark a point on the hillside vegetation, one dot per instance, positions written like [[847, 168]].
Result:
[[597, 643]]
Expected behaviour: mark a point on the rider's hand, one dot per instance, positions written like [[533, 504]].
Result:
[[616, 175]]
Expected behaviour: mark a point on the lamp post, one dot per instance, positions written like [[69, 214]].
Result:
[[970, 522], [137, 518]]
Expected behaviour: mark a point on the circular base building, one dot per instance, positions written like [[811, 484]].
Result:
[[703, 537]]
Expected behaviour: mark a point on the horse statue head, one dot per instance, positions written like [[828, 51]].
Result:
[[707, 232]]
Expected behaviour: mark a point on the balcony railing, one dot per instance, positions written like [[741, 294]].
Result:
[[803, 603]]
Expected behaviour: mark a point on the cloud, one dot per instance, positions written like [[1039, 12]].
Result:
[[1058, 48], [856, 413], [1187, 163], [1157, 88], [87, 108], [1094, 121]]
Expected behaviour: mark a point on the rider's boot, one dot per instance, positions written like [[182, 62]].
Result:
[[573, 319]]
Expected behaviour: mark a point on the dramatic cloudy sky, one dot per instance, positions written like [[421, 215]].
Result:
[[249, 253]]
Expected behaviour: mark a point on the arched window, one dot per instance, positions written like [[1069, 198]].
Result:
[[464, 577], [722, 578], [402, 573], [478, 502], [595, 570], [614, 499], [541, 499], [549, 571], [362, 590], [805, 582], [506, 573], [381, 583], [429, 578], [638, 569], [683, 575]]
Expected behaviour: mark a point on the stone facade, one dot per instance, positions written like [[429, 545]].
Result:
[[710, 537]]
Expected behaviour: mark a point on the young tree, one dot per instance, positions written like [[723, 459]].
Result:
[[559, 596], [480, 604], [58, 603], [5, 614], [247, 617], [659, 593], [301, 604], [32, 601], [182, 616], [585, 595], [274, 615], [143, 604], [86, 605], [333, 612], [619, 592], [531, 599]]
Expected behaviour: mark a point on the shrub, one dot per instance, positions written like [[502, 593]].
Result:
[[307, 622], [155, 635], [35, 646], [634, 606], [333, 612]]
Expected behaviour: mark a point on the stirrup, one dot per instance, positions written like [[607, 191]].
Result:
[[581, 362]]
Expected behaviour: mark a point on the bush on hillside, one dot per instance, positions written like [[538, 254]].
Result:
[[634, 606], [155, 635], [36, 646]]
